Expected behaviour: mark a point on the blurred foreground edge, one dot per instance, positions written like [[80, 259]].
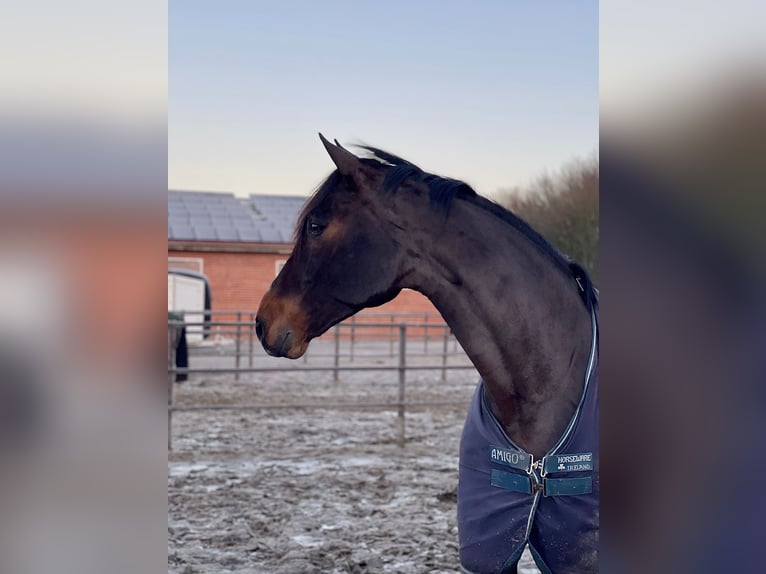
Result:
[[683, 344]]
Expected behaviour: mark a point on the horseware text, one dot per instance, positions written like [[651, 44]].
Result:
[[587, 457]]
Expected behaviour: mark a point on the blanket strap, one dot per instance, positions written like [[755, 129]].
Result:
[[567, 486], [511, 481], [549, 486]]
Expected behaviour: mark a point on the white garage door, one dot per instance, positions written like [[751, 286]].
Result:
[[188, 294]]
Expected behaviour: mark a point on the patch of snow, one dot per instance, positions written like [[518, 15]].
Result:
[[306, 541]]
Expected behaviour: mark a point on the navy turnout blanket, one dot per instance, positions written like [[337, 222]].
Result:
[[506, 499]]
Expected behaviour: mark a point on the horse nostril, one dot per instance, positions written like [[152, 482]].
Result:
[[259, 329]]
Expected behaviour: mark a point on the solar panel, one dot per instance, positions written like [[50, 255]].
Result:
[[203, 232], [227, 234], [178, 219], [221, 220], [249, 235], [225, 217], [177, 231]]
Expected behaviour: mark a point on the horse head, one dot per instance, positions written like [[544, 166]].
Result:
[[347, 256]]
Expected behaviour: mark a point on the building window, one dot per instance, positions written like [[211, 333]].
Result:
[[190, 263], [278, 264]]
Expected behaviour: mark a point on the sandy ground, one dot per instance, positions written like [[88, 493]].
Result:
[[314, 490]]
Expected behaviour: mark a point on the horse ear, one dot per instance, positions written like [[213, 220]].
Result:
[[346, 162]]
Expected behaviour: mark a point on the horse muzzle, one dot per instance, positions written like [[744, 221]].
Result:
[[281, 327]]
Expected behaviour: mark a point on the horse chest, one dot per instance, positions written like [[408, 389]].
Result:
[[504, 502]]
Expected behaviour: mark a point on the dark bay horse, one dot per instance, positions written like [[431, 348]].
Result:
[[525, 315]]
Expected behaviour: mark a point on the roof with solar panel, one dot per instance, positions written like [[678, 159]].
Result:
[[209, 216]]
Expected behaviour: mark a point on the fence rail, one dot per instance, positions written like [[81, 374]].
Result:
[[427, 323], [355, 405], [401, 367], [237, 338]]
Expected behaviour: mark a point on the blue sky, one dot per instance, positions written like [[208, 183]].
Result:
[[490, 92]]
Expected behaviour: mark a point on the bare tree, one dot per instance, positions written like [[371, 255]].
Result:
[[564, 208]]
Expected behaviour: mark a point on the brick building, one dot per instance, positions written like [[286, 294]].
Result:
[[240, 245]]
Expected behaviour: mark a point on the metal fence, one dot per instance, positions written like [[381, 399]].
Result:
[[229, 325], [405, 339], [231, 333]]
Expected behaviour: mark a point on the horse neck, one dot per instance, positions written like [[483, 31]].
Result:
[[515, 313]]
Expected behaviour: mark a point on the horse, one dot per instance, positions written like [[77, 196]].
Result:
[[524, 313]]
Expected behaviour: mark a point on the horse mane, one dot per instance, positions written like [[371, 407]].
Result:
[[442, 192]]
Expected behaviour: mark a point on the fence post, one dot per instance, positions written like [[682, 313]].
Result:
[[391, 337], [402, 376], [337, 353], [171, 377], [237, 346], [353, 337], [444, 353], [250, 329]]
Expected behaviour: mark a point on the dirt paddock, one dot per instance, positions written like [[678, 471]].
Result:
[[295, 491]]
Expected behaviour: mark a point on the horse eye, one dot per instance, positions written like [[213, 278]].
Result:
[[314, 228]]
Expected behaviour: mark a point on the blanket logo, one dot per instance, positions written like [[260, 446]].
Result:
[[573, 462], [507, 457]]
